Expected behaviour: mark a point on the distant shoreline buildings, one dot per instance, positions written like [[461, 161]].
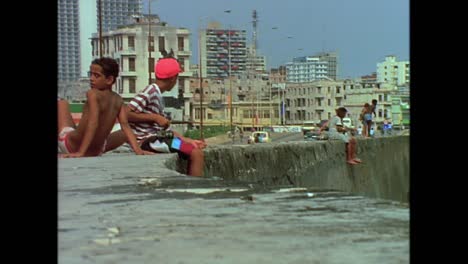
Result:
[[305, 89]]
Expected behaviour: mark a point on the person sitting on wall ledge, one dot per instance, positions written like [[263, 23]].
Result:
[[336, 130]]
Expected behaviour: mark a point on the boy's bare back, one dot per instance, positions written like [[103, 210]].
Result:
[[108, 105]]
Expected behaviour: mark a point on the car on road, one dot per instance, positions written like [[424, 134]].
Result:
[[259, 137], [315, 135]]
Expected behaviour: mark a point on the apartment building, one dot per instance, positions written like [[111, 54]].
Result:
[[393, 72], [360, 91], [312, 101], [223, 51], [322, 66], [68, 34], [115, 13]]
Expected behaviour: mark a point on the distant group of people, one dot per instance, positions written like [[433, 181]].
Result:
[[336, 130], [144, 125]]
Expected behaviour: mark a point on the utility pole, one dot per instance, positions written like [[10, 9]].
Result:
[[230, 82], [149, 42], [100, 28], [201, 80], [229, 76]]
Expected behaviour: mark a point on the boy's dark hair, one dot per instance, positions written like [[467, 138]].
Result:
[[342, 109], [110, 67], [374, 101]]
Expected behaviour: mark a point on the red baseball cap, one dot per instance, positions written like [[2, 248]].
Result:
[[167, 68]]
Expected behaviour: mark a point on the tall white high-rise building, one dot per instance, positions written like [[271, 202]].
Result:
[[115, 13], [322, 66], [68, 34]]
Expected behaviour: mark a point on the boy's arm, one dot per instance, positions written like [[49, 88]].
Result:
[[129, 133], [324, 126], [136, 117], [92, 125]]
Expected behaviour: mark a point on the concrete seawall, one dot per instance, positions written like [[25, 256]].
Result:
[[384, 172]]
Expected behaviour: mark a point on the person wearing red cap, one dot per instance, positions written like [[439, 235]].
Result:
[[101, 109], [151, 126]]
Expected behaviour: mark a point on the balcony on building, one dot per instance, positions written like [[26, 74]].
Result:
[[128, 74]]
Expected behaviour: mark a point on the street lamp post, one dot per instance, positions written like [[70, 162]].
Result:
[[201, 80], [100, 28], [230, 79], [230, 82], [149, 41]]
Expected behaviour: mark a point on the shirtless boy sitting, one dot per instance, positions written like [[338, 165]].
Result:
[[100, 111]]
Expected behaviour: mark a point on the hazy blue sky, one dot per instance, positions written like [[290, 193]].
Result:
[[363, 32]]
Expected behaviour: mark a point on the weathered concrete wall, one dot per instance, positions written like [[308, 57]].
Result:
[[384, 172]]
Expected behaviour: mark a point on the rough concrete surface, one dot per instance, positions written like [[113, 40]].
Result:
[[123, 208]]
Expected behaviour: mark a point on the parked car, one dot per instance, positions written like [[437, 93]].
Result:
[[259, 137], [315, 135]]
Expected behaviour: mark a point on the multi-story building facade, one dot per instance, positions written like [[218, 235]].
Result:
[[68, 33], [255, 62], [322, 66], [136, 51], [401, 106], [223, 51], [332, 59], [393, 72], [115, 13], [360, 91], [313, 101]]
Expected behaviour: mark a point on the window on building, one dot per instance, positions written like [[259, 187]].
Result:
[[380, 98], [380, 113], [161, 42], [131, 42], [329, 115], [329, 102], [131, 64], [180, 43], [131, 85], [210, 116]]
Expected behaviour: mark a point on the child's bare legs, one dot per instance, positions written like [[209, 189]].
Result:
[[196, 162], [353, 146], [349, 154], [115, 140], [64, 116], [364, 129]]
